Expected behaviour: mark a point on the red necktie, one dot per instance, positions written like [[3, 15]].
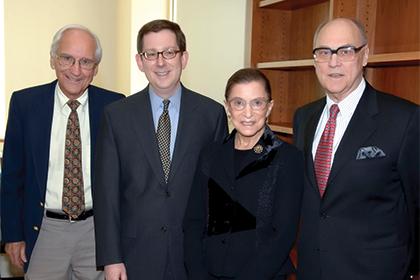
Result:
[[324, 151]]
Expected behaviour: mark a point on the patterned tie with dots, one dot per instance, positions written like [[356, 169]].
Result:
[[163, 135], [73, 192], [324, 150]]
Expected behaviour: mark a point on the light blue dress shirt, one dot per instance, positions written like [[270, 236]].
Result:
[[157, 108]]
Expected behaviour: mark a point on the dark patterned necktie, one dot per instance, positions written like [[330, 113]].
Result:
[[73, 191], [324, 151], [163, 135]]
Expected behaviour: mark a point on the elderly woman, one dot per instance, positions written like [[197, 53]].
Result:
[[243, 212]]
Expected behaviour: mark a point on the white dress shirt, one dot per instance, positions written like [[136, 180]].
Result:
[[347, 107], [53, 198]]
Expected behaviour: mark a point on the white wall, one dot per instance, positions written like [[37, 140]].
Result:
[[216, 41], [215, 30]]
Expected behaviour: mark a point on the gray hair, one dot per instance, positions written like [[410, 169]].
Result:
[[358, 24], [57, 38]]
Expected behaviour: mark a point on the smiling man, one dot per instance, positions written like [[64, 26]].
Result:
[[148, 148], [361, 147], [46, 200]]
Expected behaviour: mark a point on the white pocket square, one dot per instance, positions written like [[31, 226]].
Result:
[[369, 153]]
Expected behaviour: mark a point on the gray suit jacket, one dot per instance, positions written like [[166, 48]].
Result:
[[138, 217]]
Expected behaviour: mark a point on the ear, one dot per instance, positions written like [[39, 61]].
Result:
[[139, 61], [270, 107], [52, 63], [365, 55], [96, 70], [184, 59], [226, 108]]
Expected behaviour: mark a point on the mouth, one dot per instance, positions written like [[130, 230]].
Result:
[[247, 123], [161, 73], [73, 79], [335, 75]]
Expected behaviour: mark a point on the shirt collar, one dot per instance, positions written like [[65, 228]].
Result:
[[63, 99], [156, 100], [348, 105]]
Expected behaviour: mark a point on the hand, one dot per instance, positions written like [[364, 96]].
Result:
[[16, 253], [115, 272]]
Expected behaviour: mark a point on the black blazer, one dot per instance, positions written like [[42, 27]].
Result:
[[138, 217], [244, 226], [26, 154], [363, 227]]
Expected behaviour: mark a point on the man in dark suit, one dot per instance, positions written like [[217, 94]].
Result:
[[147, 154], [46, 215], [361, 150]]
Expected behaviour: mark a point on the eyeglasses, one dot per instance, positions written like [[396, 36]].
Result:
[[344, 53], [67, 61], [154, 55], [257, 104]]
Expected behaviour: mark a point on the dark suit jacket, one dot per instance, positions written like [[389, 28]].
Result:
[[25, 158], [243, 226], [363, 227], [138, 217]]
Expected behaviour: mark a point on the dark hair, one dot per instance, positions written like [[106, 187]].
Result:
[[247, 75], [159, 25]]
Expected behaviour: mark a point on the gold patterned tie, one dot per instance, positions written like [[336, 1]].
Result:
[[73, 192], [163, 135]]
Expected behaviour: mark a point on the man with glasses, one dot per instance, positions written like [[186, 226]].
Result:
[[361, 147], [46, 200], [148, 148]]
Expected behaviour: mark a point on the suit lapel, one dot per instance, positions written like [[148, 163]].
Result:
[[94, 115], [309, 138], [361, 126], [185, 131], [42, 120], [142, 121]]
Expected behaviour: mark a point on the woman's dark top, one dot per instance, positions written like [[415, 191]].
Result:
[[243, 212]]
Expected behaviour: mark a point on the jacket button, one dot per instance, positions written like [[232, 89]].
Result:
[[35, 228], [168, 194], [324, 215], [223, 241], [163, 228]]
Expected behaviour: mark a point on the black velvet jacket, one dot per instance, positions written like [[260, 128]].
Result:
[[244, 226]]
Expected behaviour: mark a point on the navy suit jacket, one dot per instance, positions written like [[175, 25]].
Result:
[[138, 217], [365, 225], [26, 154]]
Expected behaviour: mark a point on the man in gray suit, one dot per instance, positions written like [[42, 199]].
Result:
[[147, 152]]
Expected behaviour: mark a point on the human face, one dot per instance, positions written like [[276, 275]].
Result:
[[248, 122], [163, 74], [340, 78], [74, 80]]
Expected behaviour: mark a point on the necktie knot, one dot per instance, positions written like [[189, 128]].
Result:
[[73, 104], [166, 104], [334, 111]]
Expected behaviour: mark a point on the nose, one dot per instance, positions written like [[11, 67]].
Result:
[[333, 62], [248, 111], [75, 68], [160, 60]]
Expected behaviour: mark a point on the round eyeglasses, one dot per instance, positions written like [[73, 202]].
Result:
[[154, 55], [257, 104], [67, 61], [344, 53]]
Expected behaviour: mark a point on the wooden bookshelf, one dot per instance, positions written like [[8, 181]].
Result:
[[281, 46]]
